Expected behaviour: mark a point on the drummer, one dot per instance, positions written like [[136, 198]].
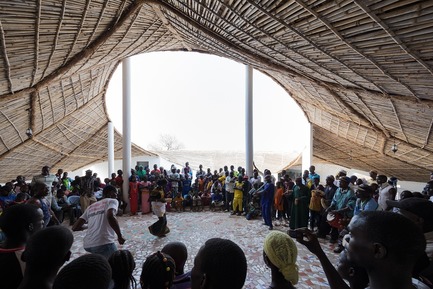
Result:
[[343, 204], [330, 189], [364, 200]]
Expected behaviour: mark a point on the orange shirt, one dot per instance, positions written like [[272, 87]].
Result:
[[201, 185], [278, 199]]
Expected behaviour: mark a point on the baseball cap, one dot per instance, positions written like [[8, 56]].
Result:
[[421, 207]]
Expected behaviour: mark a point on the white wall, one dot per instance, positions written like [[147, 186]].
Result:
[[102, 168]]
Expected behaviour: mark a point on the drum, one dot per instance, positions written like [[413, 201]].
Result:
[[337, 221], [325, 204], [334, 220]]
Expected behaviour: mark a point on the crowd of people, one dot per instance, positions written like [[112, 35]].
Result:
[[385, 239]]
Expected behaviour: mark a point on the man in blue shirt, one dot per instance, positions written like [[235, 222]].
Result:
[[342, 205], [364, 201], [267, 199]]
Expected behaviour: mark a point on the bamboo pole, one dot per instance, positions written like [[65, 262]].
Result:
[[6, 58]]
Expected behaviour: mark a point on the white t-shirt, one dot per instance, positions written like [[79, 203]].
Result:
[[159, 209], [384, 195], [230, 185], [99, 231], [255, 180]]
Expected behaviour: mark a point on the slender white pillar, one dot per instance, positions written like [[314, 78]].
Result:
[[307, 154], [249, 121], [126, 118], [110, 146]]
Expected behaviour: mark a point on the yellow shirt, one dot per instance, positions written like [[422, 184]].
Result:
[[238, 190], [315, 201], [222, 179]]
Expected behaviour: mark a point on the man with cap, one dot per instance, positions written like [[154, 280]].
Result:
[[342, 205], [364, 200], [420, 211], [341, 174]]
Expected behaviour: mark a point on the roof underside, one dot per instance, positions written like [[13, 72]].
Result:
[[362, 71]]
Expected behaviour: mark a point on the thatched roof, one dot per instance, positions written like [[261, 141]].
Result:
[[361, 70]]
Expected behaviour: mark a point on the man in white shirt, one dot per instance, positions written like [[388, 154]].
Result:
[[230, 185], [48, 179], [255, 179], [386, 192], [102, 226]]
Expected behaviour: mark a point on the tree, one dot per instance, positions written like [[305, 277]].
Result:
[[167, 142]]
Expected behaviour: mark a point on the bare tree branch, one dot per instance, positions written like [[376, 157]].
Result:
[[167, 142]]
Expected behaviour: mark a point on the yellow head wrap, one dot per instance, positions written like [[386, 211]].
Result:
[[282, 252]]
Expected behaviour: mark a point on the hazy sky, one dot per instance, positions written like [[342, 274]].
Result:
[[200, 99]]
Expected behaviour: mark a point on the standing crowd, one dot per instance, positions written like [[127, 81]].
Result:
[[384, 239]]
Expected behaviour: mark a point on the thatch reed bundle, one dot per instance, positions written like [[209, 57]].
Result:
[[361, 71]]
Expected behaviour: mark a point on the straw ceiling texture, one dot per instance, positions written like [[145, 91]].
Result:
[[361, 70]]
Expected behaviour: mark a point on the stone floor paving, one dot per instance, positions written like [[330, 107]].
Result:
[[194, 228]]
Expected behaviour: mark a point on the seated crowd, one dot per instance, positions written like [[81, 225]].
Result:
[[385, 240]]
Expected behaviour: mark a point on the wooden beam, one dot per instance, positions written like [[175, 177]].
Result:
[[361, 4], [37, 26], [6, 58], [317, 47], [427, 136], [398, 119], [343, 40], [170, 27], [49, 147], [13, 125], [81, 56]]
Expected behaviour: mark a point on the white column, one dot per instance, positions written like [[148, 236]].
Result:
[[249, 120], [126, 125], [110, 146], [307, 154]]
